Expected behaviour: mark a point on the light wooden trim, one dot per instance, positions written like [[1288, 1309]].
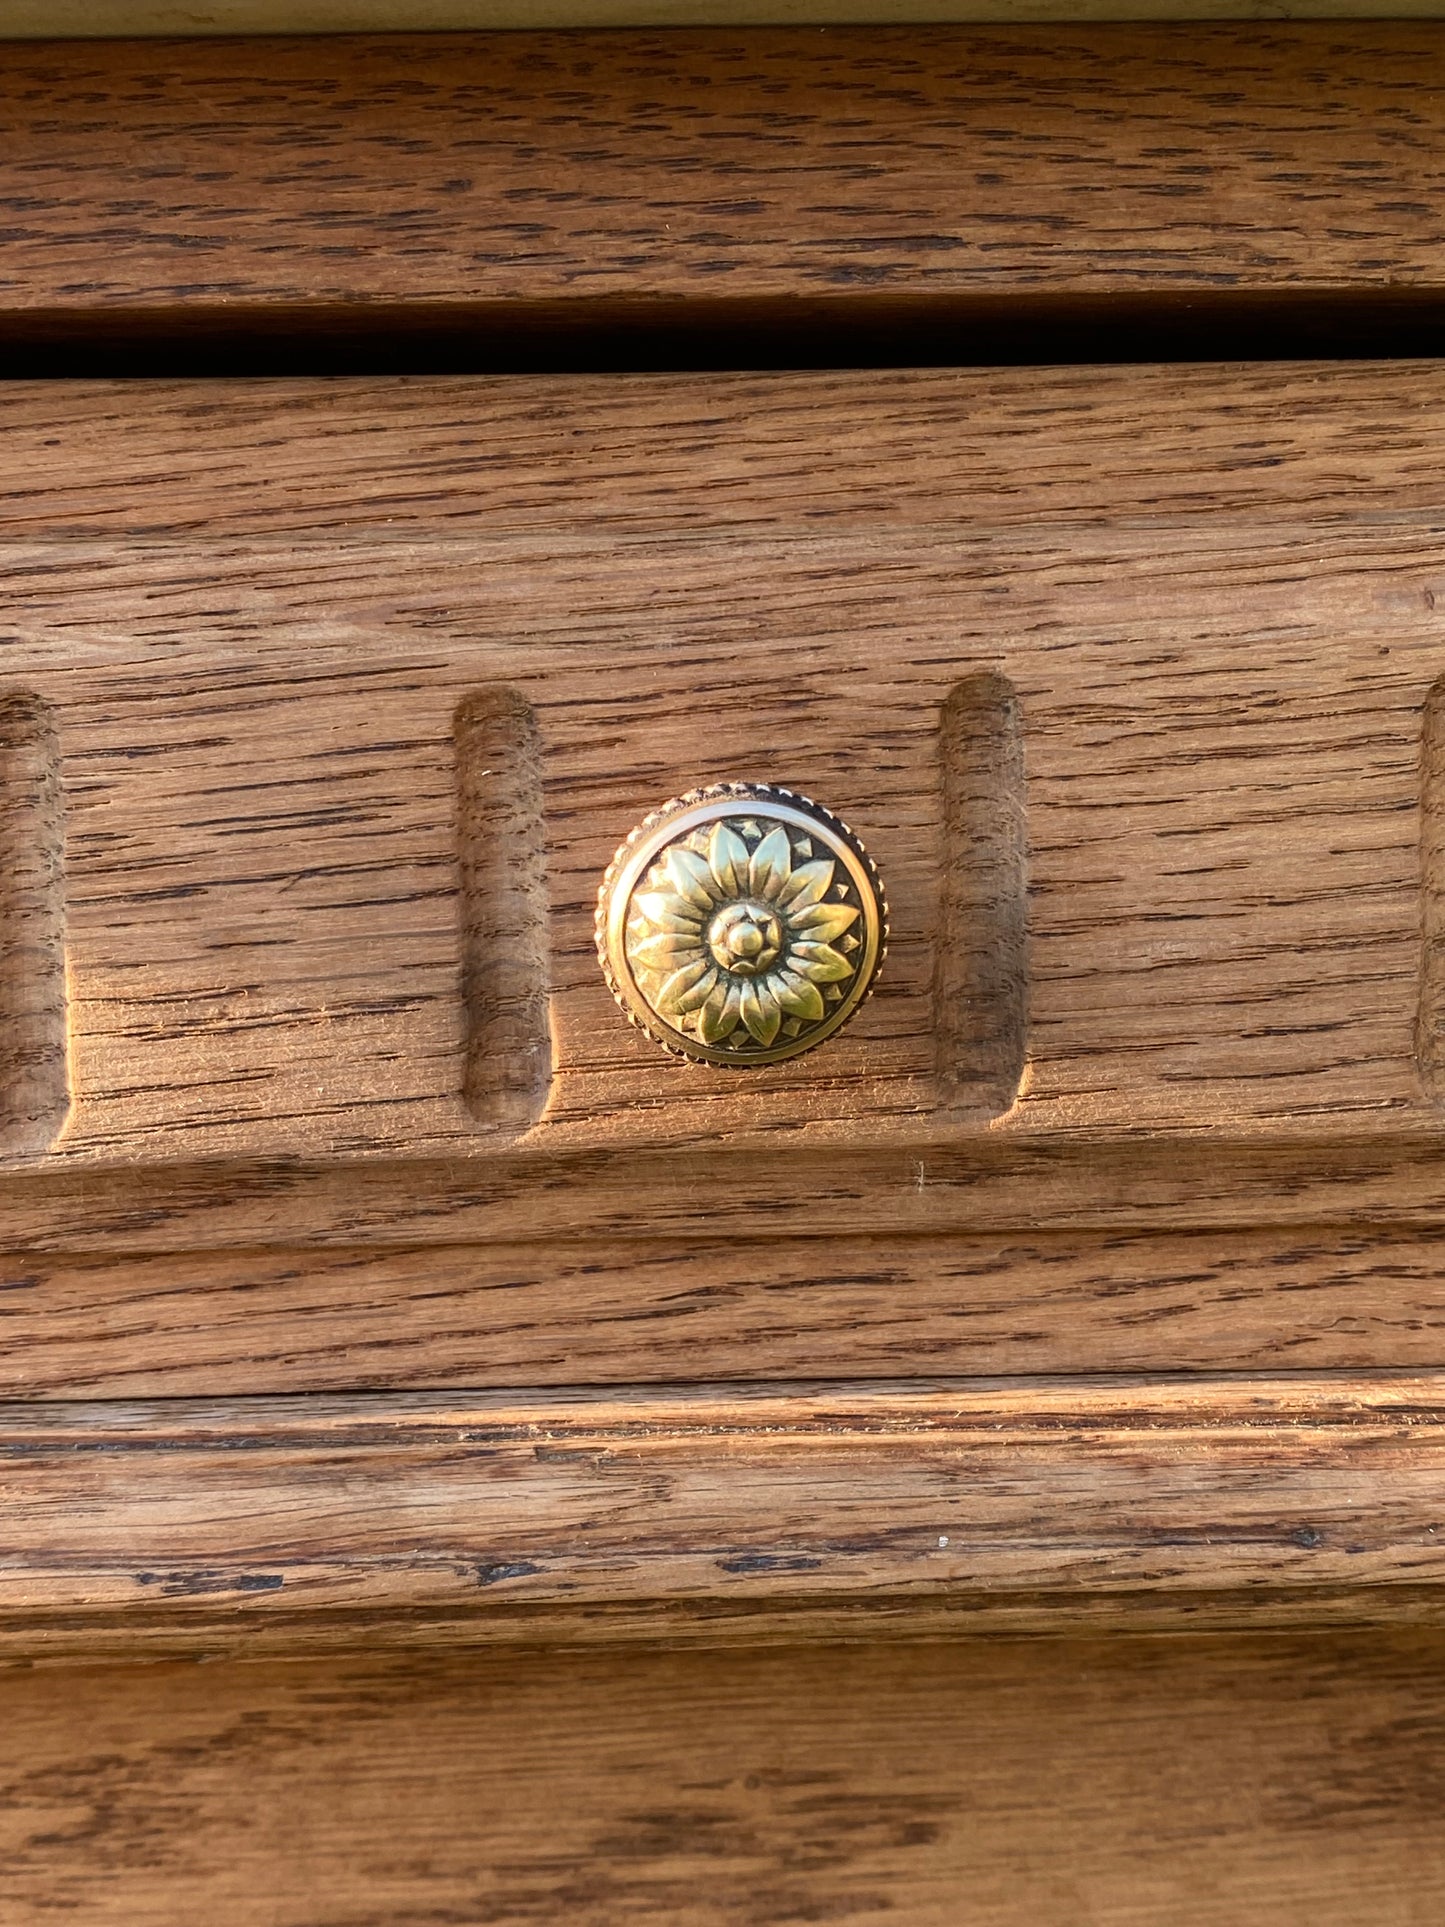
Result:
[[93, 19], [1011, 1503]]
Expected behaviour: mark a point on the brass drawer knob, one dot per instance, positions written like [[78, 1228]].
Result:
[[740, 925]]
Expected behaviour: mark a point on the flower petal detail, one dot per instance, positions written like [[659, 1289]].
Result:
[[821, 922], [685, 989], [665, 950], [760, 1011], [798, 997], [822, 964], [666, 910], [771, 864], [720, 1013], [727, 857], [690, 877], [809, 883]]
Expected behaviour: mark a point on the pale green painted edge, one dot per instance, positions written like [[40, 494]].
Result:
[[103, 19]]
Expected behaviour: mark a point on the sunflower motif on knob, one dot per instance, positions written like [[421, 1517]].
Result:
[[741, 925]]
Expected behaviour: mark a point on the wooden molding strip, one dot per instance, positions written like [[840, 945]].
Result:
[[711, 179], [98, 19], [1024, 1503]]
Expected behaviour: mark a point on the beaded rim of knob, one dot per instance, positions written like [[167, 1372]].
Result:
[[741, 925]]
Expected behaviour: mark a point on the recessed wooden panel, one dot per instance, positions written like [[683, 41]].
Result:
[[263, 922]]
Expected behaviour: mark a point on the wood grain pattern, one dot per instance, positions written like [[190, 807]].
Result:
[[324, 707], [34, 1075], [258, 761], [1197, 876], [1012, 1502], [981, 951], [518, 183], [1201, 1781], [606, 1310], [502, 900], [52, 19]]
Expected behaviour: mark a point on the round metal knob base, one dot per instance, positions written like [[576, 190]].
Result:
[[741, 925]]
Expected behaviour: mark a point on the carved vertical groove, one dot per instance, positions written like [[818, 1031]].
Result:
[[502, 854], [34, 1071], [981, 963], [1430, 1017]]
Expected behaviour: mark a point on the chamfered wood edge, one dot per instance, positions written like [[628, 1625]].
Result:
[[723, 1514]]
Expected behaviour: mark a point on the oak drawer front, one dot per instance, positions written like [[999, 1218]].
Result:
[[315, 752]]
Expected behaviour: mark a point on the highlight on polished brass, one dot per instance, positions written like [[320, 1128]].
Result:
[[740, 925]]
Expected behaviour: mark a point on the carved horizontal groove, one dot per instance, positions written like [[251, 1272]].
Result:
[[502, 855], [34, 1080], [1032, 1497], [981, 961]]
